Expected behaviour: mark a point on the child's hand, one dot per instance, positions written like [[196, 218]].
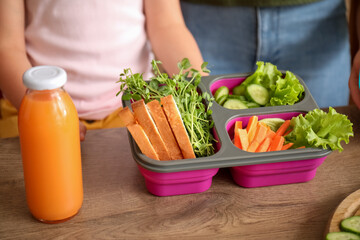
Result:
[[354, 80], [82, 129]]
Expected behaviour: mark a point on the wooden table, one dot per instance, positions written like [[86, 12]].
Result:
[[117, 204]]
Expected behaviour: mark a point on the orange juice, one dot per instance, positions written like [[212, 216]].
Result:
[[50, 148]]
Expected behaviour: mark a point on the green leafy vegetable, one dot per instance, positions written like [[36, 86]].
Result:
[[283, 91], [184, 88], [266, 75], [320, 129], [286, 91]]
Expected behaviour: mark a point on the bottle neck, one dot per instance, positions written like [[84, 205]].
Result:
[[30, 91], [45, 95]]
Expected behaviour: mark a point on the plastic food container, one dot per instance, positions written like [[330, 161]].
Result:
[[166, 178]]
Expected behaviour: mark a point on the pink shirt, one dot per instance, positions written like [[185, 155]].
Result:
[[93, 40]]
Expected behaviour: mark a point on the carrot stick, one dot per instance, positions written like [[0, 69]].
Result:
[[253, 146], [270, 134], [300, 147], [281, 143], [251, 127], [287, 146], [252, 119], [261, 132], [238, 125], [263, 147], [281, 130], [264, 124], [287, 132], [277, 143], [243, 139]]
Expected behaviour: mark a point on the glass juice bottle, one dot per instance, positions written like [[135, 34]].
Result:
[[50, 146]]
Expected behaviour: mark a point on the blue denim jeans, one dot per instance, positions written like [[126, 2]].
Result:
[[311, 40]]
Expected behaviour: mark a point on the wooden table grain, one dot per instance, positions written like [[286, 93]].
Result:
[[117, 204]]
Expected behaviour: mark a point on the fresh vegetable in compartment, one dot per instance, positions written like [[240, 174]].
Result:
[[221, 93], [267, 86], [257, 94], [320, 129], [259, 137], [235, 104], [316, 129], [273, 123], [189, 103]]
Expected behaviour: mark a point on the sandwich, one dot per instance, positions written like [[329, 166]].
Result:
[[143, 117], [126, 117], [161, 121], [142, 140], [137, 132], [177, 125], [158, 130]]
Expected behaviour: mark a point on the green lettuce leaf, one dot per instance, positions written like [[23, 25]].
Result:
[[283, 91], [266, 75], [271, 76], [321, 130], [286, 91]]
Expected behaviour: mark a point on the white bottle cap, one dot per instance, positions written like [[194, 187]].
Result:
[[44, 77]]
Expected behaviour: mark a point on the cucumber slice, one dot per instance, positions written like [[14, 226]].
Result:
[[351, 224], [257, 94], [234, 104], [252, 105], [239, 90], [342, 236], [240, 97], [222, 99], [273, 123], [221, 91]]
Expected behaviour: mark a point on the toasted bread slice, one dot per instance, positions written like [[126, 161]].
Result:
[[177, 126], [126, 117], [164, 128], [137, 132], [145, 120]]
